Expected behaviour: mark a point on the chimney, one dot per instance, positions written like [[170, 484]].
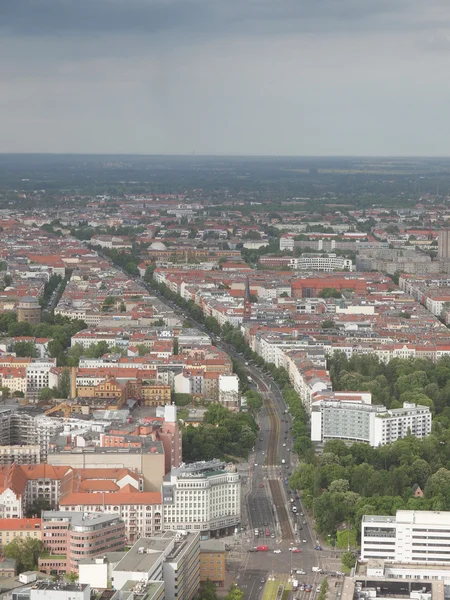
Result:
[[73, 383]]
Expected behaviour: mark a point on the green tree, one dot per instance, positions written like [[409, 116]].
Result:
[[348, 559], [215, 414], [74, 354], [97, 350], [7, 280], [182, 399], [5, 391], [64, 384], [175, 346], [20, 330], [25, 349], [329, 293], [142, 349], [26, 551], [208, 591], [45, 394], [234, 593]]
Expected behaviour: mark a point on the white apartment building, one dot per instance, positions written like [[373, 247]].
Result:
[[307, 379], [351, 417], [87, 338], [172, 560], [409, 537], [321, 262], [229, 390], [46, 590], [40, 375], [31, 428], [204, 496], [287, 242], [11, 504], [21, 455]]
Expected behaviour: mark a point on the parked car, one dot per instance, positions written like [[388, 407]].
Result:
[[277, 551]]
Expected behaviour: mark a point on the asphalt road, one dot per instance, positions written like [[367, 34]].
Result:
[[252, 569]]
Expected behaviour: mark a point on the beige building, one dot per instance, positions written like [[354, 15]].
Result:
[[212, 561], [22, 528], [147, 460], [29, 310]]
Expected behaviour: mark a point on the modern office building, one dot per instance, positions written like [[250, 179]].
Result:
[[351, 417], [173, 558], [321, 262], [362, 587], [204, 496], [69, 537], [46, 590], [409, 537]]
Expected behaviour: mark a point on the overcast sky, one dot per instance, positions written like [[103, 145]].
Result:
[[298, 77]]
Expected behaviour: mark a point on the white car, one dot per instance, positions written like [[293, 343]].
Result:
[[284, 445], [304, 541], [277, 551]]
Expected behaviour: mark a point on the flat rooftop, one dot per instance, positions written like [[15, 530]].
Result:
[[212, 546], [412, 517], [145, 553], [358, 588], [78, 518]]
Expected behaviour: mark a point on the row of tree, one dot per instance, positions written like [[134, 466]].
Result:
[[344, 483], [416, 380], [59, 329]]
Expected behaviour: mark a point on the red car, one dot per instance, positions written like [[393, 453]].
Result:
[[261, 485], [296, 550]]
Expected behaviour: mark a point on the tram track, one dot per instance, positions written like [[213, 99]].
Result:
[[274, 467]]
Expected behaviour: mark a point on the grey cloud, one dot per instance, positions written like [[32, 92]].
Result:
[[214, 17]]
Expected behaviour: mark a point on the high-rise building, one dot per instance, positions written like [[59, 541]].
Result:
[[172, 559], [204, 496], [411, 536], [69, 537], [444, 244]]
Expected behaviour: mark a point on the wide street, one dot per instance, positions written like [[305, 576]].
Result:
[[268, 501]]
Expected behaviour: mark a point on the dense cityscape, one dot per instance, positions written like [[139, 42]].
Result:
[[224, 387]]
